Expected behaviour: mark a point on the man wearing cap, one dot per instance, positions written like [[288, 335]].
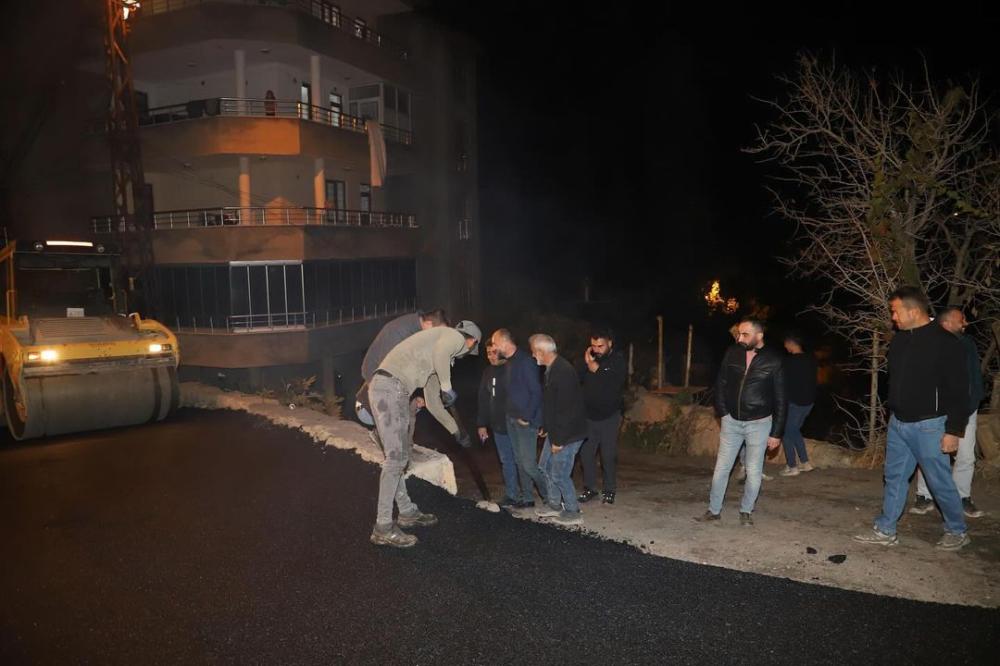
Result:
[[422, 361]]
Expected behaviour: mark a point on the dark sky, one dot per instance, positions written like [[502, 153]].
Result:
[[611, 134]]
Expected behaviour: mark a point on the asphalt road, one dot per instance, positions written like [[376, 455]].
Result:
[[218, 537]]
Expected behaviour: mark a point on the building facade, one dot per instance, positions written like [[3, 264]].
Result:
[[277, 250]]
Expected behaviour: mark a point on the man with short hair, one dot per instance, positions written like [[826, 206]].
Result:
[[929, 407], [750, 397], [564, 428], [492, 417], [422, 361], [604, 377], [524, 414], [952, 319]]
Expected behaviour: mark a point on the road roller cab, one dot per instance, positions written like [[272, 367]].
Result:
[[70, 361]]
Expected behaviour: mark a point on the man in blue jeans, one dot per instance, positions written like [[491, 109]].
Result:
[[492, 417], [565, 428], [750, 397], [524, 414], [929, 406], [800, 389]]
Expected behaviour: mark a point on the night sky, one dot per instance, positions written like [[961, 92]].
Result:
[[610, 136]]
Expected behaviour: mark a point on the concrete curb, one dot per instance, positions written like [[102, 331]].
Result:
[[426, 464]]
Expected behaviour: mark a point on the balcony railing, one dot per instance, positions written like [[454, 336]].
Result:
[[265, 108], [260, 216], [291, 321], [327, 12]]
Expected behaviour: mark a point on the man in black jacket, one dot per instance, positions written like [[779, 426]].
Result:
[[604, 378], [564, 428], [492, 416], [750, 398], [929, 406]]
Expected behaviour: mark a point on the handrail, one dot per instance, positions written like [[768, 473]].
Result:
[[265, 108], [321, 10], [226, 216], [292, 321]]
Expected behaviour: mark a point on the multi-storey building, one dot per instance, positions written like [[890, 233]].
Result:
[[277, 250]]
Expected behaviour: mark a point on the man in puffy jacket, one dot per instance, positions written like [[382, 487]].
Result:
[[422, 361], [750, 398]]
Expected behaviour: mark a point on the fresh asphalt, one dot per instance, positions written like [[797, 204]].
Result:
[[218, 537]]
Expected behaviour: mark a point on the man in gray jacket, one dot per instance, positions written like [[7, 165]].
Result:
[[422, 361]]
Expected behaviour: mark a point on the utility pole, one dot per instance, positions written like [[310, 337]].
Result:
[[132, 206]]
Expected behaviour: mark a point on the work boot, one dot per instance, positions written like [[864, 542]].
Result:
[[745, 519], [569, 518], [969, 509], [391, 535], [921, 505], [707, 517], [953, 541], [417, 519], [586, 495], [608, 497]]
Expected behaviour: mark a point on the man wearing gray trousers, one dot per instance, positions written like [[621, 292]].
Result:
[[422, 361], [603, 379]]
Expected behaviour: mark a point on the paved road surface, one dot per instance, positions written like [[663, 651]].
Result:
[[219, 537]]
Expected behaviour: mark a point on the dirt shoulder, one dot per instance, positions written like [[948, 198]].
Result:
[[658, 497]]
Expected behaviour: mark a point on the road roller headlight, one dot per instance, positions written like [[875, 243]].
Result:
[[46, 356], [158, 348]]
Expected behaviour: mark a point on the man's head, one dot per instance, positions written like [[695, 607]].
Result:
[[750, 333], [472, 335], [492, 355], [432, 318], [601, 343], [793, 342], [952, 319], [504, 343], [543, 348], [910, 308]]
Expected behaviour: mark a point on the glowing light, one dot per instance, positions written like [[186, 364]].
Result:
[[49, 355], [717, 302], [60, 243], [129, 6]]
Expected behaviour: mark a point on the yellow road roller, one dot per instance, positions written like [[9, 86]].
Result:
[[70, 361]]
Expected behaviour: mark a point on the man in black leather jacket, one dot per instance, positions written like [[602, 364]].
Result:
[[750, 398]]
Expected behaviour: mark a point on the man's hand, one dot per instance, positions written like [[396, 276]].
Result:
[[522, 423], [949, 443], [556, 449], [448, 397], [588, 358], [463, 440], [484, 434], [542, 433], [773, 443]]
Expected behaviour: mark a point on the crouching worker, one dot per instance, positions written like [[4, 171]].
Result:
[[421, 361]]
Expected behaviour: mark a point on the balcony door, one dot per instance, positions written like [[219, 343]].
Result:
[[336, 202], [365, 204], [305, 101]]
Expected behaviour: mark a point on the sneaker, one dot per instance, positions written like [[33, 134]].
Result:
[[921, 505], [790, 471], [969, 509], [953, 541], [418, 519], [569, 518], [608, 497], [766, 477], [507, 503], [745, 519], [708, 517], [806, 467], [392, 536], [763, 477], [877, 537], [546, 511], [586, 495]]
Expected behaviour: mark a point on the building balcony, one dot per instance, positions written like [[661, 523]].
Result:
[[319, 12], [230, 216], [197, 109]]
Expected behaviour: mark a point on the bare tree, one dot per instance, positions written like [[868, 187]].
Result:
[[887, 183]]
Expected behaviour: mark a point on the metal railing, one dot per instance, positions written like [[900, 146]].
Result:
[[265, 108], [321, 10], [292, 321], [260, 216]]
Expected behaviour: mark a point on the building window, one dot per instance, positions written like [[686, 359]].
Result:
[[360, 28], [336, 108], [326, 12], [365, 204], [463, 229], [336, 202], [305, 101], [266, 296]]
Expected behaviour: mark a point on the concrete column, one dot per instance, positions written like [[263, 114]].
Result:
[[317, 86], [244, 185], [240, 61], [319, 183]]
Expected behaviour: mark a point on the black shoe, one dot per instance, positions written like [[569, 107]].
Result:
[[524, 505], [969, 509], [507, 503], [745, 519], [708, 516], [586, 495], [921, 505], [608, 497]]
